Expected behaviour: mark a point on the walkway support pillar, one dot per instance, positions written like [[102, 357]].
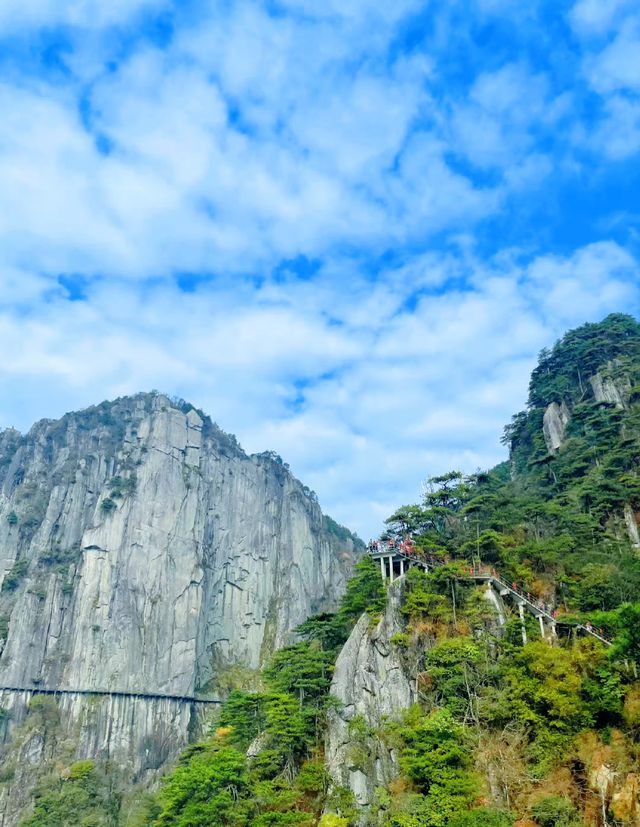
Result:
[[382, 569], [522, 626], [390, 559], [401, 567], [542, 629]]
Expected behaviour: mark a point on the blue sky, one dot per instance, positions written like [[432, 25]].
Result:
[[345, 229]]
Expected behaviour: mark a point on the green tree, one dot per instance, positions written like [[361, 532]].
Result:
[[556, 811], [628, 636], [365, 592], [244, 713], [483, 817], [437, 760], [208, 788], [85, 796]]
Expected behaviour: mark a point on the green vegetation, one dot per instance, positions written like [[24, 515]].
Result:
[[552, 521], [341, 532], [84, 796], [122, 486], [437, 760], [611, 347], [558, 520], [108, 505], [57, 558], [284, 781], [15, 575]]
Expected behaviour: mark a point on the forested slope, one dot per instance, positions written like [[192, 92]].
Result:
[[560, 515]]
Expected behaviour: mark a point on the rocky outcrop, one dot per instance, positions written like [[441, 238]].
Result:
[[142, 550], [606, 388], [611, 385], [554, 425], [371, 686], [631, 523]]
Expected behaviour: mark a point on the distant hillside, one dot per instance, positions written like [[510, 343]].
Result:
[[563, 512]]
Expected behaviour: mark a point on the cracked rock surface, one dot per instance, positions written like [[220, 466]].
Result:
[[142, 550], [371, 685]]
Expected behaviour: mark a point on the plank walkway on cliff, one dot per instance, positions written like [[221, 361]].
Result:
[[393, 560], [153, 696]]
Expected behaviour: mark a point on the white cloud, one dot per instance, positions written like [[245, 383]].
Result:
[[386, 398], [248, 139], [597, 17], [618, 135], [617, 66], [598, 277], [613, 71], [495, 126]]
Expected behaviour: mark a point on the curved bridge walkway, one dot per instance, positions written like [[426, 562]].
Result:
[[104, 693], [394, 562]]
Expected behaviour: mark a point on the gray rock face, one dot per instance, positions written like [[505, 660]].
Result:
[[554, 424], [371, 686], [607, 389], [137, 734], [142, 550], [631, 523], [611, 384]]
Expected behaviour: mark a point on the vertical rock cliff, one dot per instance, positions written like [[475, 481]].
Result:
[[141, 550], [371, 686]]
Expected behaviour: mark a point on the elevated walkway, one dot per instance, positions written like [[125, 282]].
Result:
[[150, 696], [395, 560]]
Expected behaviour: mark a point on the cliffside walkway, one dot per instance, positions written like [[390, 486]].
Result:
[[150, 696], [395, 561]]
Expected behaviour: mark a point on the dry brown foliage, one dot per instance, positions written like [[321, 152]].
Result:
[[500, 760]]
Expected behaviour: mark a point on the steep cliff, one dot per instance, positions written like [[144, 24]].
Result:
[[372, 685], [141, 550]]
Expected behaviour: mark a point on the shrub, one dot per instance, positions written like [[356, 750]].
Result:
[[555, 811], [482, 817], [332, 820], [81, 769], [15, 575], [59, 558], [44, 712], [7, 773]]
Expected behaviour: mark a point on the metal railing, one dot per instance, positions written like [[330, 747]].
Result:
[[155, 696]]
